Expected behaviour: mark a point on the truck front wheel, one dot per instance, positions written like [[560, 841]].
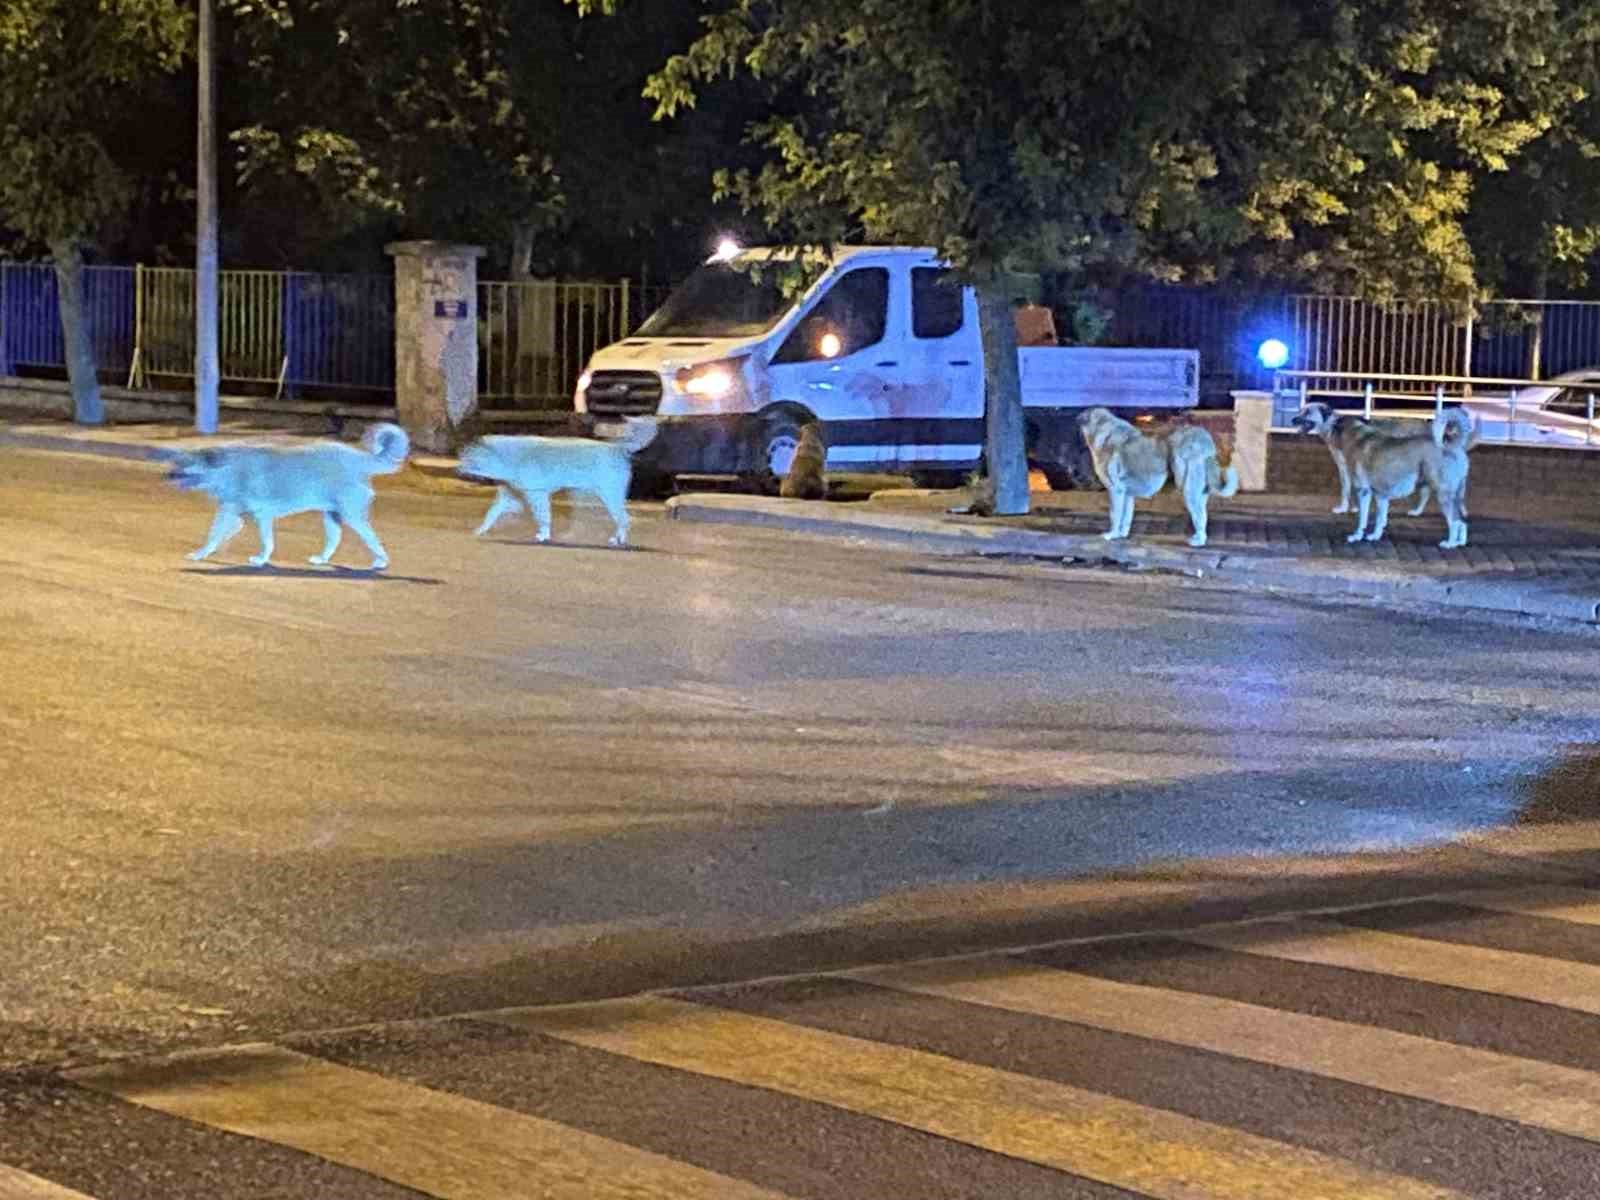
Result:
[[776, 439]]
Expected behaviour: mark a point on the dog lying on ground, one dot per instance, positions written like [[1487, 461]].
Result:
[[1339, 432], [1389, 466], [529, 469], [266, 482], [806, 480], [1134, 465]]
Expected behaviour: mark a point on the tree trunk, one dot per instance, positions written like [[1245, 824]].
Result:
[[1005, 433], [87, 407], [522, 252]]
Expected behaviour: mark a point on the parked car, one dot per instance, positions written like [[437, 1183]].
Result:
[[1552, 412]]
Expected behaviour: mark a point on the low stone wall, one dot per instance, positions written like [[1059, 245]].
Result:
[[52, 399], [1504, 478]]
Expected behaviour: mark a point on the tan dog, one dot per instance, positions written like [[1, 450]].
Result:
[[1390, 467], [1339, 432], [1134, 465], [806, 480], [529, 469], [265, 483]]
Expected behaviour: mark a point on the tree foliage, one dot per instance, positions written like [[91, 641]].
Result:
[[393, 109], [1325, 142], [66, 67]]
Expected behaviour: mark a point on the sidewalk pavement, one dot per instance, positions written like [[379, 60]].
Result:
[[1540, 564], [1543, 564]]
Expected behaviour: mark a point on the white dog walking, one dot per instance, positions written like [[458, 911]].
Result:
[[266, 482], [529, 469]]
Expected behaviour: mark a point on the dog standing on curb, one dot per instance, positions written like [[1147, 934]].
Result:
[[267, 482], [1134, 465], [1339, 432], [1390, 466], [529, 469]]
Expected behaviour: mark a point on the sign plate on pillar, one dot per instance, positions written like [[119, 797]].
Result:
[[451, 310]]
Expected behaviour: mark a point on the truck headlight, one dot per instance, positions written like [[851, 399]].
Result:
[[580, 394], [710, 381]]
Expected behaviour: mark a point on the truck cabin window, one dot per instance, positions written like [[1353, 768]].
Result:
[[719, 300], [935, 303], [852, 316]]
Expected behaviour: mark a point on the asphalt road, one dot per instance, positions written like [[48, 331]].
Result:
[[238, 804]]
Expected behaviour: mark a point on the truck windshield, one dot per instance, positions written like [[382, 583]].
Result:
[[718, 300]]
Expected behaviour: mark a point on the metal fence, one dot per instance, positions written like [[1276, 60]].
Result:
[[292, 331], [1523, 339], [287, 330], [535, 336]]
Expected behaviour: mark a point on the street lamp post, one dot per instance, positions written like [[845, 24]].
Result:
[[207, 373]]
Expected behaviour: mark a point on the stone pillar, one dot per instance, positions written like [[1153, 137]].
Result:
[[1252, 419], [435, 339]]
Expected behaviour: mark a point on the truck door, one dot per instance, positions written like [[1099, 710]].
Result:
[[939, 404], [833, 363]]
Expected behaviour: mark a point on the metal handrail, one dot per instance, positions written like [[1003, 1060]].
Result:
[[1368, 393]]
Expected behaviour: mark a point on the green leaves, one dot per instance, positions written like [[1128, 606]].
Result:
[[63, 65], [1322, 142]]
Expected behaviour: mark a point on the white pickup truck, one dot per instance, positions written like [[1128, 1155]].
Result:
[[883, 349]]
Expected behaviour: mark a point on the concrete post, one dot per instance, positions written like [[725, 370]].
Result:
[[1252, 418], [435, 339]]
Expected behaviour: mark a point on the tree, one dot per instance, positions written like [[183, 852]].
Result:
[[1328, 141], [398, 110], [63, 65]]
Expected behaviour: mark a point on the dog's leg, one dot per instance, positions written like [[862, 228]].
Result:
[[1363, 506], [1421, 504], [224, 525], [505, 501], [264, 527], [616, 502], [361, 524], [1380, 523], [1116, 497], [1194, 499], [1455, 523], [332, 531], [539, 505], [1344, 483]]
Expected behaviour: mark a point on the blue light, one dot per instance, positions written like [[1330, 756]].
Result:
[[1272, 354]]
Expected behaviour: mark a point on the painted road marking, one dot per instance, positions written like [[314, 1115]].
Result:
[[1146, 1150]]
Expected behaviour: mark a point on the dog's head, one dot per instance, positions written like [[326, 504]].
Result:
[[1314, 418], [191, 471], [481, 463], [1097, 424]]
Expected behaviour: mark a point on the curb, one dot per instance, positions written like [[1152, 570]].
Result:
[[71, 445], [1522, 597]]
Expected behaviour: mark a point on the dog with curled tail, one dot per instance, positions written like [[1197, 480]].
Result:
[[268, 482]]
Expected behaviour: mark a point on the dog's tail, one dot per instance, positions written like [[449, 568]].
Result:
[[388, 445], [641, 432], [1451, 420], [1221, 481]]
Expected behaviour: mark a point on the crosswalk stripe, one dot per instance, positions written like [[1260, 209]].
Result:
[[1580, 906], [1150, 1151], [444, 1145], [1553, 1097], [1473, 968], [19, 1185]]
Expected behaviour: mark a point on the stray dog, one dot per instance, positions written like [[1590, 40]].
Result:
[[1390, 466], [1131, 464], [1339, 432], [805, 480], [529, 469], [265, 482]]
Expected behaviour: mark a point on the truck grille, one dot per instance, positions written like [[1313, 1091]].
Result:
[[624, 393]]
